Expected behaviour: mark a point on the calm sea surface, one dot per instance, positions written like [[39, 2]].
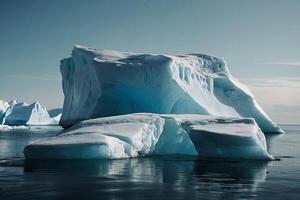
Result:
[[172, 177]]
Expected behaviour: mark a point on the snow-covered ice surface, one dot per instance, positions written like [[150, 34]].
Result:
[[225, 137], [144, 134], [7, 127], [17, 113], [56, 119], [112, 137], [100, 83], [3, 107], [55, 112]]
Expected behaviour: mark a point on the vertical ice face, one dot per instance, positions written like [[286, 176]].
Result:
[[99, 83]]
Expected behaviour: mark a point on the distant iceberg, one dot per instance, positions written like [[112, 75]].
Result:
[[100, 83], [3, 107], [21, 114], [55, 114], [144, 134]]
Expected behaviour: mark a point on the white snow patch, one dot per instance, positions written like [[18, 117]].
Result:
[[7, 127]]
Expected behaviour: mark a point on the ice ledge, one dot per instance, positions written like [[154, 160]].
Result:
[[144, 134]]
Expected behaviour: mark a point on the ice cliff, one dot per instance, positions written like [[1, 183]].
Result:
[[145, 134], [100, 83]]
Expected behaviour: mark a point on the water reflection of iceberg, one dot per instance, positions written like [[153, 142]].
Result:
[[270, 138], [179, 173]]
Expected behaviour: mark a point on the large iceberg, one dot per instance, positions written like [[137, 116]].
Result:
[[144, 134], [17, 113], [100, 83]]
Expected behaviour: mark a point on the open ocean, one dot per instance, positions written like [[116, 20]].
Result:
[[167, 177]]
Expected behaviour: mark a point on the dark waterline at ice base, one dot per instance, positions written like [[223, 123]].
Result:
[[174, 177]]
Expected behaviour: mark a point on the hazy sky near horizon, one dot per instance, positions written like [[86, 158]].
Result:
[[259, 39]]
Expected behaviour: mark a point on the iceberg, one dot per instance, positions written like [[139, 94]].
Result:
[[56, 119], [3, 107], [55, 114], [17, 113], [100, 83], [24, 114], [144, 134]]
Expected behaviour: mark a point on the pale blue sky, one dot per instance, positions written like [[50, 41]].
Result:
[[259, 39]]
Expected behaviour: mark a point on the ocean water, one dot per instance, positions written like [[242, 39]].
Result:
[[168, 177]]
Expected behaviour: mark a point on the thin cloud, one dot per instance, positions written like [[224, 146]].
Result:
[[43, 77], [279, 82], [279, 91], [295, 63]]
